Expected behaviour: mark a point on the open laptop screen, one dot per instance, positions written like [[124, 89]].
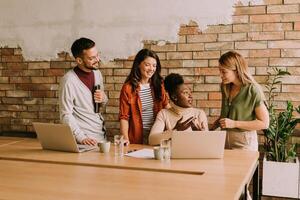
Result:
[[57, 137]]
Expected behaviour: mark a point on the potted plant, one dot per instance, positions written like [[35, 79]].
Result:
[[280, 164]]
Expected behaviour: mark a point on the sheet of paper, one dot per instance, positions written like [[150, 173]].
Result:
[[142, 153]]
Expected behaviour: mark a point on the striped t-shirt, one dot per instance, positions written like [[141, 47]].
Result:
[[147, 106]]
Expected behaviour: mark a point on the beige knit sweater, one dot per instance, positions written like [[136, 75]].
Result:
[[167, 118]]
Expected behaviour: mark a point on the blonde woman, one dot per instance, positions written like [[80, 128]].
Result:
[[243, 111]]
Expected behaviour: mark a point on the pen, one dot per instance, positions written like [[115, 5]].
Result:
[[131, 150]]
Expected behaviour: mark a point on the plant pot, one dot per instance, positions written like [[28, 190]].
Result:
[[280, 179]]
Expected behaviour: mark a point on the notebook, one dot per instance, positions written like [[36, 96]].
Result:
[[198, 144], [58, 137]]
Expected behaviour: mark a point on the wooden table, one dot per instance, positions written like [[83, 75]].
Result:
[[9, 140], [222, 179]]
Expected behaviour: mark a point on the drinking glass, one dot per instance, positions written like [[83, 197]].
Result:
[[165, 145], [119, 145]]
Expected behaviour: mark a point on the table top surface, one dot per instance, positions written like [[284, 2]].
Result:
[[9, 140], [29, 180], [227, 176]]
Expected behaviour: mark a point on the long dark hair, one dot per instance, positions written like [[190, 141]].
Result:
[[135, 75]]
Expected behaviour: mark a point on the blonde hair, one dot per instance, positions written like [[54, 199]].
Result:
[[235, 61]]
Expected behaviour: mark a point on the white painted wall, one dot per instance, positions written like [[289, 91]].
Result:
[[42, 28]]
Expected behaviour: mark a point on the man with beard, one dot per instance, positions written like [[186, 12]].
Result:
[[77, 96]]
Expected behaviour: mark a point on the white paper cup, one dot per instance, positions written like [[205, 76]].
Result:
[[104, 146], [158, 153]]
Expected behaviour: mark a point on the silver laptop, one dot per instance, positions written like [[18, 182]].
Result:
[[58, 137], [198, 144]]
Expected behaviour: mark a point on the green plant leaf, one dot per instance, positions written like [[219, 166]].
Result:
[[282, 124]]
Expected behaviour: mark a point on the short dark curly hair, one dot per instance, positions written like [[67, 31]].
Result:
[[172, 82]]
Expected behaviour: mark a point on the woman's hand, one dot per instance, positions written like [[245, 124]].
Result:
[[197, 126], [126, 142], [181, 126], [215, 125], [227, 123]]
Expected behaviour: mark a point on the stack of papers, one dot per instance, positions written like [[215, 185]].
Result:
[[142, 153]]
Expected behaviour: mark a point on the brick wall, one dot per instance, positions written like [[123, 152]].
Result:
[[268, 35]]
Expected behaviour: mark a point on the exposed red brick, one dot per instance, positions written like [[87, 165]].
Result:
[[12, 101], [13, 58], [43, 93], [64, 65], [17, 93], [215, 95], [264, 53], [33, 72], [189, 30], [48, 115], [207, 71], [30, 115], [283, 9], [171, 63], [14, 79], [12, 73], [32, 87], [163, 48], [3, 79], [250, 10], [297, 25], [50, 79], [6, 86], [206, 54], [4, 120], [13, 107], [7, 51], [267, 2], [209, 104], [265, 18], [13, 66]]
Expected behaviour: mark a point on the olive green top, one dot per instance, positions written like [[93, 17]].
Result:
[[242, 107]]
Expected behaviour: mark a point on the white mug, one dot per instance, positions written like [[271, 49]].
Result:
[[104, 146], [158, 153]]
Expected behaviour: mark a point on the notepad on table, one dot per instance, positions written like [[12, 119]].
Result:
[[142, 153]]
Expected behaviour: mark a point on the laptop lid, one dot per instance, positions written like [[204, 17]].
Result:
[[57, 137], [198, 144]]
